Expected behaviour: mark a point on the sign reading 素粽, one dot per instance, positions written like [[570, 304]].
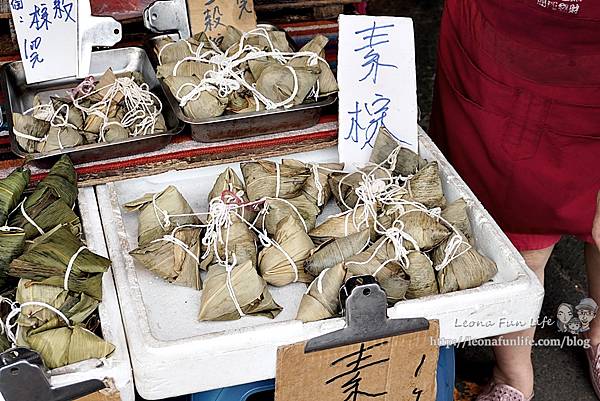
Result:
[[377, 81], [47, 35]]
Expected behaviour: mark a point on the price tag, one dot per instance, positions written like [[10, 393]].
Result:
[[399, 368], [377, 84], [213, 16], [47, 35]]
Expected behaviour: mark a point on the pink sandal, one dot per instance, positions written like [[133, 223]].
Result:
[[502, 392]]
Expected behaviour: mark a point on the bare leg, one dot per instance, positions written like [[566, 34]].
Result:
[[592, 264], [513, 363]]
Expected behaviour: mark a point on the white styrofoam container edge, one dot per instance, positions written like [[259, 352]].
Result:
[[170, 368]]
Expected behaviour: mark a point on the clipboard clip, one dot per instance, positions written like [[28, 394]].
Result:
[[364, 304], [168, 15], [24, 377]]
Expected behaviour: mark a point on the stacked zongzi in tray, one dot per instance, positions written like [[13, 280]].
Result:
[[58, 280], [251, 71], [260, 231], [112, 109]]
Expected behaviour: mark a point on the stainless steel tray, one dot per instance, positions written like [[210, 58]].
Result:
[[238, 126], [20, 98]]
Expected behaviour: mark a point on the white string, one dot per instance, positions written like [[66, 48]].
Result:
[[277, 180], [29, 219], [180, 243], [226, 78], [70, 267], [16, 309], [318, 185]]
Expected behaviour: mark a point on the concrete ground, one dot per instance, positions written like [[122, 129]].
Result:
[[561, 374]]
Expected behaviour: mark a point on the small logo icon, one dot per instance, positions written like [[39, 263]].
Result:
[[576, 319]]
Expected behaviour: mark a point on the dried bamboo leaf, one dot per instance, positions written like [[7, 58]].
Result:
[[30, 126], [171, 261], [278, 83], [151, 222], [11, 190], [335, 251], [426, 187], [321, 300], [327, 81], [249, 289], [261, 180], [424, 229], [46, 260], [63, 346], [275, 267], [456, 214], [241, 243], [469, 270], [405, 162], [422, 276]]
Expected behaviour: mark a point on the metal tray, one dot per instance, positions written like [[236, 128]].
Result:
[[238, 126], [20, 98]]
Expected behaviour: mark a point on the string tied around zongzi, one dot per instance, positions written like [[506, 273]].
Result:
[[28, 218], [70, 266], [176, 241], [267, 206], [143, 107], [228, 282], [455, 247], [319, 281], [226, 78], [17, 308]]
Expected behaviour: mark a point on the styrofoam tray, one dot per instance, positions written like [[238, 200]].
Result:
[[174, 354], [117, 367]]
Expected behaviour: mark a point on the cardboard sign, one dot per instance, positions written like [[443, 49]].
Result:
[[377, 82], [47, 35], [400, 368], [213, 16]]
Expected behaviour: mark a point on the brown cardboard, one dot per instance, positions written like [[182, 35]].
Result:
[[400, 368], [213, 16]]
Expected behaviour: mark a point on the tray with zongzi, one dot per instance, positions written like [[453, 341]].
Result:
[[218, 266], [250, 84], [119, 110]]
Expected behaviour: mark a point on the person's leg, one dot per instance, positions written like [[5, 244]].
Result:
[[513, 363], [592, 264]]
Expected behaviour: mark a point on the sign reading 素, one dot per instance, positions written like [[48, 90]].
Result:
[[47, 35], [377, 81], [401, 368]]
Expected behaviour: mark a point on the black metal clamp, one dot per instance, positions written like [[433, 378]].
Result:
[[24, 377], [365, 307]]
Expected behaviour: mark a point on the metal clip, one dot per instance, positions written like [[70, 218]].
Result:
[[93, 31], [365, 306], [24, 377], [167, 16]]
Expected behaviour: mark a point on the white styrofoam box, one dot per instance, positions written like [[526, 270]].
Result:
[[117, 367], [174, 354]]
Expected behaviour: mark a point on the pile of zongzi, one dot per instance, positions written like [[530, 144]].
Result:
[[246, 72], [395, 224], [116, 107], [58, 279]]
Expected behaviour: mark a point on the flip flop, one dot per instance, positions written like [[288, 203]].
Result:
[[502, 392]]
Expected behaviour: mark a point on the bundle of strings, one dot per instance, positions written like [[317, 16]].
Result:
[[113, 109], [258, 70], [141, 107]]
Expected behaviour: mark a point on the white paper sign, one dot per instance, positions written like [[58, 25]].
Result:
[[47, 34], [378, 84]]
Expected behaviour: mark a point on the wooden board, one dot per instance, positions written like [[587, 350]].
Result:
[[400, 368]]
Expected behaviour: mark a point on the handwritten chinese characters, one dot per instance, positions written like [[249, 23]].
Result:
[[213, 16], [386, 369], [377, 79], [355, 362], [47, 34], [564, 6]]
